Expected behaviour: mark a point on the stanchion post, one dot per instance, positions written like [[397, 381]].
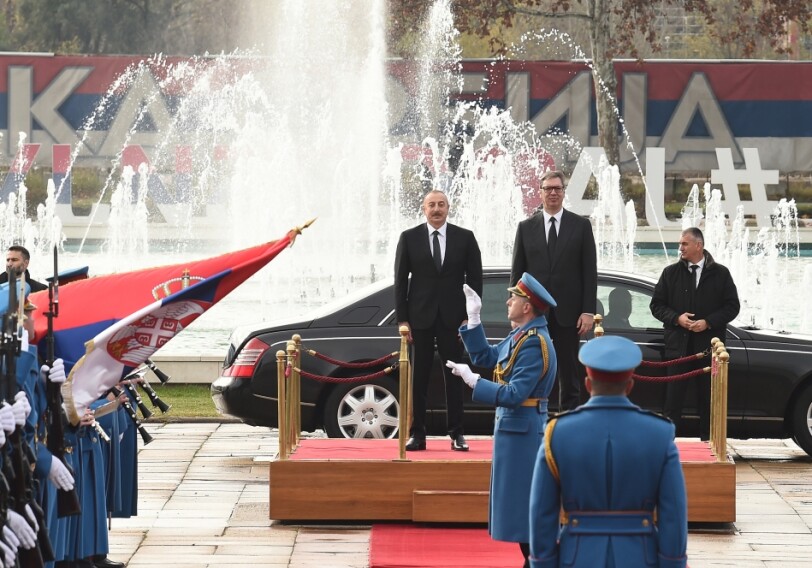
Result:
[[598, 325], [290, 390], [714, 395], [723, 357], [297, 387], [405, 398], [281, 363]]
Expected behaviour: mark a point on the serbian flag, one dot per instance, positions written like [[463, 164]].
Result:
[[126, 317], [126, 344], [87, 307]]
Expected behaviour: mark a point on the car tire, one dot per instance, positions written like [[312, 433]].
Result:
[[363, 410], [802, 420]]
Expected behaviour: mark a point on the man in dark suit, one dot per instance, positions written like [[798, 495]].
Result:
[[558, 248], [440, 258], [17, 258], [695, 298]]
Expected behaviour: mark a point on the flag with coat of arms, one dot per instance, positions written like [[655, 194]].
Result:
[[109, 325]]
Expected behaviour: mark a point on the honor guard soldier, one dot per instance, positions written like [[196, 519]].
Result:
[[524, 372], [608, 489]]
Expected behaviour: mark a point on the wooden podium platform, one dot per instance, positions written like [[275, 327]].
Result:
[[363, 480]]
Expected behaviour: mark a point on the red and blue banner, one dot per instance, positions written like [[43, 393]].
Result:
[[111, 324]]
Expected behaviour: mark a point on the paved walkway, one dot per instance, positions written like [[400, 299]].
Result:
[[204, 502]]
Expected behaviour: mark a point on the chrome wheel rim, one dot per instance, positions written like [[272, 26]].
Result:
[[368, 411]]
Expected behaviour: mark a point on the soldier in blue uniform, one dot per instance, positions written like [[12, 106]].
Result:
[[525, 367], [605, 469]]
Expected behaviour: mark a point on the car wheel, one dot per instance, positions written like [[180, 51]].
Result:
[[802, 420], [363, 410]]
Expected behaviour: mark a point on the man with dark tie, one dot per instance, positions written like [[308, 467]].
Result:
[[557, 247], [439, 257], [695, 298]]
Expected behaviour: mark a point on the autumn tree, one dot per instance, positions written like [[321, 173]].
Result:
[[617, 28]]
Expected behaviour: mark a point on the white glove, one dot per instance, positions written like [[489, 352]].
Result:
[[32, 518], [464, 371], [8, 555], [55, 375], [24, 341], [7, 422], [11, 539], [60, 476], [21, 408], [2, 437], [473, 305], [21, 528]]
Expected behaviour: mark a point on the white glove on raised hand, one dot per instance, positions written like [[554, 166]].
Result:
[[60, 476], [55, 375], [7, 422], [21, 528], [464, 371], [21, 408], [473, 305]]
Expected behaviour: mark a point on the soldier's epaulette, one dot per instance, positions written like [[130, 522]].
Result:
[[652, 413], [564, 413], [528, 332]]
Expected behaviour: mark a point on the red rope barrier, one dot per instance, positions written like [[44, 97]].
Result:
[[678, 361], [326, 379], [361, 365], [668, 379]]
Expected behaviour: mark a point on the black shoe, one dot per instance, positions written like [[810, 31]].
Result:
[[415, 444], [104, 562], [459, 444]]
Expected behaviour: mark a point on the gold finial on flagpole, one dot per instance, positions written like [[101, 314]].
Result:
[[298, 231], [185, 278]]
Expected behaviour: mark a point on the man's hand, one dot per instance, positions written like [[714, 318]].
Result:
[[22, 530], [7, 422], [409, 337], [21, 408], [8, 555], [473, 305], [698, 326], [55, 375], [686, 320], [464, 371], [60, 476], [585, 322]]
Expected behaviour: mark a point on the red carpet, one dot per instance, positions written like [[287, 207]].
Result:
[[437, 449], [416, 546]]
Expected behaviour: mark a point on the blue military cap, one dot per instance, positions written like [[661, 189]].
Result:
[[610, 358], [530, 288]]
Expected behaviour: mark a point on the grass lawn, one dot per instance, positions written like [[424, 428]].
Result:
[[187, 400]]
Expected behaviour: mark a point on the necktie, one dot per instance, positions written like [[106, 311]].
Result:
[[694, 268], [438, 257], [552, 237]]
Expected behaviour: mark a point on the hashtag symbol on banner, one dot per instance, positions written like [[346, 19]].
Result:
[[731, 178]]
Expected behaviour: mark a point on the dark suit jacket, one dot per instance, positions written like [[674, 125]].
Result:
[[571, 276], [35, 286], [431, 294]]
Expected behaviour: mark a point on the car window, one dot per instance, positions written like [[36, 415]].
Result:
[[494, 296], [625, 307]]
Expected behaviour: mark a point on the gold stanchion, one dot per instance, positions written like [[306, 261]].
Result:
[[290, 390], [598, 325], [722, 357], [405, 392], [281, 362], [297, 389]]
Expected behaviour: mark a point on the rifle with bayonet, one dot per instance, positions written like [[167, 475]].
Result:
[[22, 456], [67, 502]]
